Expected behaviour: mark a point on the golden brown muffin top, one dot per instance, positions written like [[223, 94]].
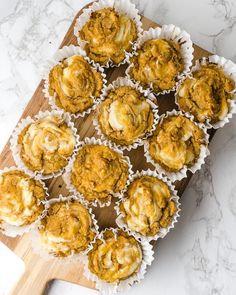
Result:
[[99, 171], [115, 258], [66, 229], [108, 35], [205, 94], [176, 142], [20, 198], [147, 206], [157, 64], [73, 82], [46, 144], [125, 115]]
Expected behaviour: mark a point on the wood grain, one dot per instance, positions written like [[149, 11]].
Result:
[[38, 271]]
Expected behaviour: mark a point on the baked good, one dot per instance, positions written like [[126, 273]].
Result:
[[205, 95], [176, 142], [98, 171], [147, 206], [108, 34], [125, 115], [115, 257], [157, 64], [66, 229], [46, 144], [73, 83], [20, 198]]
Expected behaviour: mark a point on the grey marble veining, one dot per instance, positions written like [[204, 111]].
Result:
[[199, 256]]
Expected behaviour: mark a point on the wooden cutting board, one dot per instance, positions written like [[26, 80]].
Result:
[[38, 271]]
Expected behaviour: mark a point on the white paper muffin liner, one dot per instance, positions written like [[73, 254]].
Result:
[[121, 6], [61, 54], [230, 70], [13, 230], [15, 147], [174, 197], [172, 33], [67, 175], [111, 288], [74, 257], [150, 98], [204, 152]]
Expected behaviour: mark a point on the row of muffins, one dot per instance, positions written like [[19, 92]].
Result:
[[48, 144], [177, 141], [207, 92]]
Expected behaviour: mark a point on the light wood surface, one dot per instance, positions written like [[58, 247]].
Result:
[[38, 271]]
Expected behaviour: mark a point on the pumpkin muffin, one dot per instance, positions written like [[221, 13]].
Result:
[[176, 142], [20, 198], [46, 144], [66, 229], [125, 115], [98, 172], [205, 95], [157, 64], [147, 206], [108, 34], [74, 83], [115, 257]]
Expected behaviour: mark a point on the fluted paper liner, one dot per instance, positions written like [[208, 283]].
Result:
[[150, 98], [121, 6], [120, 221], [67, 174], [175, 34], [204, 152], [74, 257], [13, 230], [16, 148], [61, 54], [229, 69], [111, 288]]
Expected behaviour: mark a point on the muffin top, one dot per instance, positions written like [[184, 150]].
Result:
[[205, 94], [46, 144], [73, 83], [116, 257], [66, 229], [98, 171], [125, 115], [147, 206], [157, 64], [20, 198], [176, 142], [108, 35]]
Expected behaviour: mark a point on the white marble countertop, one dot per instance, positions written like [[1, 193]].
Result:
[[199, 256]]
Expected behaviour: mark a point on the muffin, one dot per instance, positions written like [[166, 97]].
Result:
[[74, 84], [147, 206], [176, 143], [98, 172], [66, 229], [20, 198], [157, 64], [46, 144], [115, 257], [108, 35], [205, 95], [125, 115]]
